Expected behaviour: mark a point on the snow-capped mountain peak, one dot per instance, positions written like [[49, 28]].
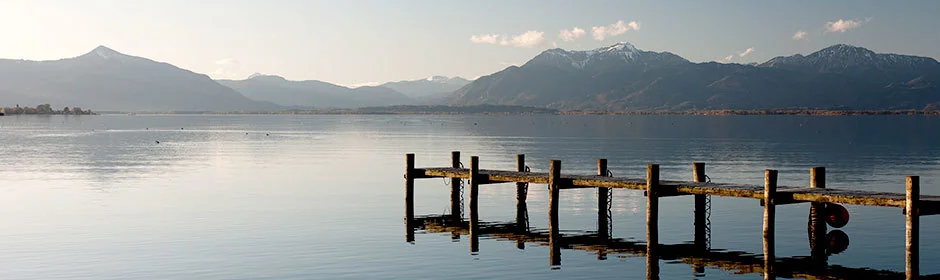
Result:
[[438, 79], [106, 53], [619, 53], [618, 47]]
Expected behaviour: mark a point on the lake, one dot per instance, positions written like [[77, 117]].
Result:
[[321, 197]]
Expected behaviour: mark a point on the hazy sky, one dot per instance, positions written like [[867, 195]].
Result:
[[353, 42]]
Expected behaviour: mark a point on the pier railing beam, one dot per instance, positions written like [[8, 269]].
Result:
[[652, 221], [912, 254], [554, 185], [770, 191], [456, 210], [698, 176], [474, 203], [817, 219], [409, 197]]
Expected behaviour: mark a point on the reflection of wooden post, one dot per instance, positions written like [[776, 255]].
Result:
[[602, 198], [770, 190], [817, 219], [554, 242], [912, 208], [474, 210], [455, 196], [522, 221], [409, 197], [698, 175], [652, 222]]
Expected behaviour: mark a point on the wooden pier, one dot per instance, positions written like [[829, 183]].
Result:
[[912, 203]]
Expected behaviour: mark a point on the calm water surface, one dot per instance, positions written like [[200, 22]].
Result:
[[301, 197]]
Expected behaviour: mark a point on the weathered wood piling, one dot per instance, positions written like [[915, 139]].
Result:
[[652, 221], [474, 204], [817, 220], [554, 186], [698, 176], [912, 228], [603, 198], [770, 195], [522, 192], [409, 197], [770, 192], [456, 209]]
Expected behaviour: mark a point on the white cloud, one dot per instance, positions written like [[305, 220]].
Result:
[[728, 58], [842, 25], [634, 24], [485, 38], [569, 35], [602, 32], [228, 68], [746, 52], [365, 84], [799, 35], [528, 39], [226, 61]]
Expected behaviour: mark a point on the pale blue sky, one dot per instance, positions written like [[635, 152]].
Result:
[[352, 42]]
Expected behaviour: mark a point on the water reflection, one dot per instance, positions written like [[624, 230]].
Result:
[[697, 256]]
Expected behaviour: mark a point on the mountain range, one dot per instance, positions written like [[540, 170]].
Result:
[[617, 77], [623, 77], [313, 94], [432, 86], [104, 79]]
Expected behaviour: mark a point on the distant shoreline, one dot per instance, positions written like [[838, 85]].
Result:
[[521, 110], [43, 109], [768, 112]]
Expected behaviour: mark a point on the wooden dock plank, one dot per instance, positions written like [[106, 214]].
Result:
[[929, 204]]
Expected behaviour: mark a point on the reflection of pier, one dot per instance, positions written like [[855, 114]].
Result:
[[816, 194], [737, 262]]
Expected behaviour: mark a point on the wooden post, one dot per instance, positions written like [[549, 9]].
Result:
[[652, 222], [474, 210], [456, 210], [554, 242], [603, 195], [409, 197], [817, 219], [698, 176], [770, 191], [521, 192], [912, 255], [521, 209]]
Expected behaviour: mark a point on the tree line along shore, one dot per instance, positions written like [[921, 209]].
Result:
[[43, 109]]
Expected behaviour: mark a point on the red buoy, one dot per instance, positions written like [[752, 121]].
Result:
[[836, 215]]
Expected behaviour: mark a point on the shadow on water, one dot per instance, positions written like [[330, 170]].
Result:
[[699, 257]]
